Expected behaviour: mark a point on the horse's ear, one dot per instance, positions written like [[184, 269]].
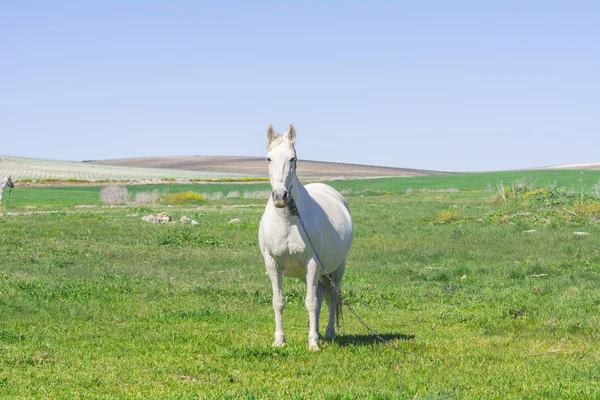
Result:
[[291, 134], [271, 134]]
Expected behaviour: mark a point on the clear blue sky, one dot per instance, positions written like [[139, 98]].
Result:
[[446, 85]]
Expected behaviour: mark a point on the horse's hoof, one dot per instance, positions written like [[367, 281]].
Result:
[[279, 343], [315, 347], [329, 334]]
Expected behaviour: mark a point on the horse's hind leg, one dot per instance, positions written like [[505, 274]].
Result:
[[335, 303], [320, 295]]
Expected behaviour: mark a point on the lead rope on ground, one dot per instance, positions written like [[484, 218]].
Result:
[[294, 210]]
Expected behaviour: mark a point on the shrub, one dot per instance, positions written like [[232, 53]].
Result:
[[147, 197], [257, 194], [213, 195], [545, 205], [588, 209], [451, 214], [114, 194], [185, 197], [596, 189]]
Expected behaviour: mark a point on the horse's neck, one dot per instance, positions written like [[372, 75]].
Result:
[[300, 196]]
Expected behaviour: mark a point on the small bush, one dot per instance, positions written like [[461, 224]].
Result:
[[258, 194], [147, 197], [213, 195], [185, 197], [114, 194], [523, 202], [588, 209], [596, 189], [451, 214]]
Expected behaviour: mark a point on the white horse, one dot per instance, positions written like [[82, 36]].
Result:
[[285, 247], [5, 182]]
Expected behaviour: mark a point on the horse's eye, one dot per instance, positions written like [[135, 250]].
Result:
[[268, 160]]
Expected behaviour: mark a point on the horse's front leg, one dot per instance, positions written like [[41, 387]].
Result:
[[312, 304], [274, 273]]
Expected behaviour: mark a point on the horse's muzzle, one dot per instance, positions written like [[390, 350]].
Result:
[[280, 198]]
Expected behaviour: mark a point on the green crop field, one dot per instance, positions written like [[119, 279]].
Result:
[[79, 194], [96, 303]]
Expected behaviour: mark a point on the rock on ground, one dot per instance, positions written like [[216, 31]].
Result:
[[187, 220], [157, 218]]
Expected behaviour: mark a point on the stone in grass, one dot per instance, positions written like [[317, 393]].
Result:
[[530, 231], [235, 221], [187, 220], [581, 233], [157, 218]]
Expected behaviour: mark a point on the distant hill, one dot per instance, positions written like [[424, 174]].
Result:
[[585, 166], [257, 166]]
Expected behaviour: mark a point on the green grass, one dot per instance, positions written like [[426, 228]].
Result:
[[55, 196], [97, 303], [75, 195], [471, 181]]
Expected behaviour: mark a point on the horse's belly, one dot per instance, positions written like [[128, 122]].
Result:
[[291, 259], [294, 271]]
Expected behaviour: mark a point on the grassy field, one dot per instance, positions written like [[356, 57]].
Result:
[[79, 194], [473, 181], [95, 303]]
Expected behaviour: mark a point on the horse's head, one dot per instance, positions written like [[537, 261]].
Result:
[[9, 182], [281, 156]]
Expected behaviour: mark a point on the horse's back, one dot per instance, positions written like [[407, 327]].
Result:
[[336, 208], [325, 194]]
